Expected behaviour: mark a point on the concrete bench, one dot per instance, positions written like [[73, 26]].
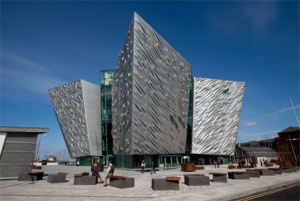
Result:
[[196, 179], [57, 178], [219, 177], [31, 176], [84, 179], [168, 183], [294, 169], [39, 175], [253, 173], [276, 170], [266, 172], [26, 177], [238, 175], [286, 170], [121, 182]]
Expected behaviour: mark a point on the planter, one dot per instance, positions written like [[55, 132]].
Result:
[[188, 167], [231, 167]]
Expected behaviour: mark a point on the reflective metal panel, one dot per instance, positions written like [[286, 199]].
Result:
[[216, 114], [150, 94], [77, 108]]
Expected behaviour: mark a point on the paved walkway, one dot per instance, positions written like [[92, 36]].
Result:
[[42, 190]]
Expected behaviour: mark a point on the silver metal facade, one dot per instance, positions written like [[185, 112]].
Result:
[[150, 95], [77, 108], [216, 114]]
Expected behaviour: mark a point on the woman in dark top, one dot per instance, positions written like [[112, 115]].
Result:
[[96, 173]]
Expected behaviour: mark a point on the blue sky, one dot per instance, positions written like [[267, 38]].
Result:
[[47, 44]]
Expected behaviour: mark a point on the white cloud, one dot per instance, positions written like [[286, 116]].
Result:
[[257, 136], [260, 14], [273, 115], [260, 133], [21, 77], [250, 123]]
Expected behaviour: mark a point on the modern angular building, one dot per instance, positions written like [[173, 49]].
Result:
[[217, 107], [150, 95], [149, 108], [77, 108]]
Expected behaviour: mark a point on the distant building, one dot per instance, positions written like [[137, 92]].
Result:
[[262, 150], [17, 149], [288, 145]]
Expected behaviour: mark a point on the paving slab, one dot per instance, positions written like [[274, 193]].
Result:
[[40, 190]]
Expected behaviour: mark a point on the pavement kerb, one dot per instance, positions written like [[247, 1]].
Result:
[[257, 190]]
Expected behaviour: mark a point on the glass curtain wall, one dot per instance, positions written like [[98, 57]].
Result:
[[106, 78]]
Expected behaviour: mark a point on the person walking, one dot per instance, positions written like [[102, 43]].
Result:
[[261, 164], [77, 164], [143, 166], [152, 167], [110, 172], [218, 164], [215, 163], [95, 172]]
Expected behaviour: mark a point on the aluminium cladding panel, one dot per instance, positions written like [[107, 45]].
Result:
[[122, 98], [156, 100], [216, 114], [69, 105], [91, 96], [18, 154]]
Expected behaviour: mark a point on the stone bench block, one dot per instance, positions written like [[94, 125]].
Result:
[[192, 180], [286, 170], [159, 184], [294, 169], [254, 173], [39, 175], [266, 172], [127, 182], [56, 178], [238, 175], [277, 171], [85, 180], [219, 177], [26, 177]]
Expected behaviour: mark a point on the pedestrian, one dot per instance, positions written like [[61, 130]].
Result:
[[95, 172], [110, 172], [143, 166], [77, 164], [239, 163], [261, 163], [218, 164], [221, 161], [152, 167], [243, 163]]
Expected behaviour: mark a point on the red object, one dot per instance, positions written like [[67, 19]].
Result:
[[172, 178], [188, 167]]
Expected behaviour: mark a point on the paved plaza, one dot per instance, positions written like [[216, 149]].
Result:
[[42, 190]]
